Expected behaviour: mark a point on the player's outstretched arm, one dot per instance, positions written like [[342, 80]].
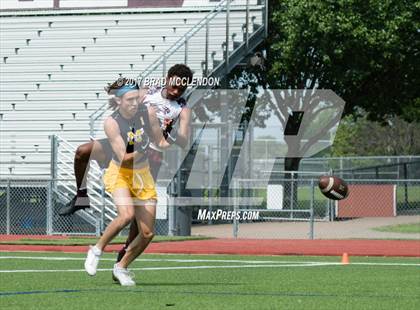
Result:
[[182, 135], [158, 137]]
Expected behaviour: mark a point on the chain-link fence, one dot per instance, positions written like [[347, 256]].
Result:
[[25, 207], [31, 207], [357, 167], [296, 209], [284, 208]]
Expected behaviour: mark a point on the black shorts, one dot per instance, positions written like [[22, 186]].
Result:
[[154, 157]]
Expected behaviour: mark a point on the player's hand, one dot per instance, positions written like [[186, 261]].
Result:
[[141, 144]]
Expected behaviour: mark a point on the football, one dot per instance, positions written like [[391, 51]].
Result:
[[333, 187]]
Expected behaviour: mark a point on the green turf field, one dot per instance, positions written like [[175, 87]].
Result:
[[57, 281], [410, 228]]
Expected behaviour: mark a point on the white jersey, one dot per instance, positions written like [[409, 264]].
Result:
[[167, 110]]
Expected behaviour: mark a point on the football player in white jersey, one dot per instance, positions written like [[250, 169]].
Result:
[[170, 107]]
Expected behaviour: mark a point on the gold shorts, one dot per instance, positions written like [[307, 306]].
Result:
[[138, 181]]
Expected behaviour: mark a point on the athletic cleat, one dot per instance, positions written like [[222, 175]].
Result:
[[121, 254], [92, 260], [76, 204], [123, 275]]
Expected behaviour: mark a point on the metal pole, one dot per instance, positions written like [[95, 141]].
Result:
[[311, 220], [266, 19], [405, 184], [53, 157], [331, 211], [206, 57], [49, 208], [164, 67], [247, 25], [171, 213], [266, 154], [91, 127], [250, 148], [8, 207], [186, 52], [210, 192], [292, 194], [54, 167], [227, 38], [235, 209]]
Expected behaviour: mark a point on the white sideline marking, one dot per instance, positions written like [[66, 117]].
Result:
[[59, 258], [256, 263], [173, 268], [386, 264]]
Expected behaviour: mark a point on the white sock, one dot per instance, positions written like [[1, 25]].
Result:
[[119, 266], [97, 251]]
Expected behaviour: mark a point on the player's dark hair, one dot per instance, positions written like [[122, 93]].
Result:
[[181, 71], [112, 88]]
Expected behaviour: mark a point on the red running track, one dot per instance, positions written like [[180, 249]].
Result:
[[258, 247]]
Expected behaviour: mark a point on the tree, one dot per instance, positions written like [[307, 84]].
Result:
[[361, 137], [368, 52]]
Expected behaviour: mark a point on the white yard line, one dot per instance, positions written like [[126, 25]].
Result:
[[59, 258], [174, 268]]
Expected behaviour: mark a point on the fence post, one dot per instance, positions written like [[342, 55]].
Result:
[[311, 219], [405, 185], [292, 194], [8, 207], [331, 211], [54, 156], [210, 183], [54, 172], [171, 212], [235, 208], [49, 208]]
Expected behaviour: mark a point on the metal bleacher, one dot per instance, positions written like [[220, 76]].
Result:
[[55, 64], [53, 68]]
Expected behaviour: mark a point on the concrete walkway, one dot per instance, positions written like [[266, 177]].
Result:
[[350, 229]]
